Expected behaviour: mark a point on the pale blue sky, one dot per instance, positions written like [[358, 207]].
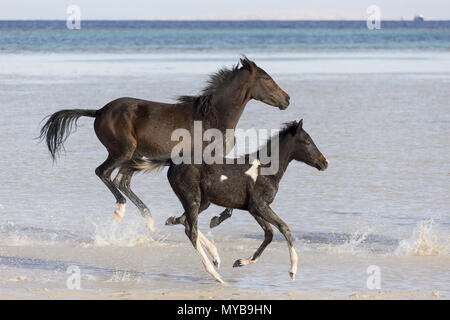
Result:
[[229, 9]]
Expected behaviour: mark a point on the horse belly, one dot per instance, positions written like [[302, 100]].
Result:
[[155, 128]]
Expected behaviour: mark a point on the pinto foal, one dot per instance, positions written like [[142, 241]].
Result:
[[239, 186]]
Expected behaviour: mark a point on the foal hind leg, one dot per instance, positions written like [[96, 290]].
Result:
[[210, 247], [182, 219], [122, 182], [191, 230], [224, 215], [268, 236]]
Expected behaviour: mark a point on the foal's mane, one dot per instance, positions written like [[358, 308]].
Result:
[[217, 81], [287, 128]]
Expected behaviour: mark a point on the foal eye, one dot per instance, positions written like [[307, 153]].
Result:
[[306, 142]]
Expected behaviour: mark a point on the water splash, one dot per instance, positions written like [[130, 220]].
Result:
[[124, 235], [423, 242], [352, 245]]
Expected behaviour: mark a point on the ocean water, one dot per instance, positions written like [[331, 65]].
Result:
[[375, 102], [221, 36]]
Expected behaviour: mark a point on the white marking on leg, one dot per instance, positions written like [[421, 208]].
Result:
[[206, 263], [294, 260], [253, 171], [210, 247], [150, 224], [223, 178], [120, 212], [248, 261]]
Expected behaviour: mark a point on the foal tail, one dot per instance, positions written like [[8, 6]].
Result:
[[150, 166], [58, 127]]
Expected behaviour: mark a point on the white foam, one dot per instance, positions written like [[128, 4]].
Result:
[[423, 242], [352, 245], [125, 234]]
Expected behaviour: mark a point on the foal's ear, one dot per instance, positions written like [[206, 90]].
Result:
[[300, 126], [247, 64]]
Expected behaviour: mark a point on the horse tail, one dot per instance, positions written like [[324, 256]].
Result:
[[150, 166], [58, 127]]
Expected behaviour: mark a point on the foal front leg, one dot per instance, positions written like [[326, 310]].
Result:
[[266, 213], [268, 236]]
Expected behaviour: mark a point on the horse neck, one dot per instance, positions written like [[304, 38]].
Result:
[[230, 102]]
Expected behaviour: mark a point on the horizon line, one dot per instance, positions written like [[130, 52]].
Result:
[[230, 20]]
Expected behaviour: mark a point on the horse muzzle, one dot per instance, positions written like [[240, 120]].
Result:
[[285, 104], [322, 164]]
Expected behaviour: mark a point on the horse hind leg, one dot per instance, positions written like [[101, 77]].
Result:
[[104, 172], [122, 181]]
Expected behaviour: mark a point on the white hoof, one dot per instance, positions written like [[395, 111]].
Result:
[[120, 212]]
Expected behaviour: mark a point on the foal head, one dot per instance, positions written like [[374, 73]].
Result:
[[303, 148], [264, 88]]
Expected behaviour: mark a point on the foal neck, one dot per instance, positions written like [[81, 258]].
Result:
[[283, 145]]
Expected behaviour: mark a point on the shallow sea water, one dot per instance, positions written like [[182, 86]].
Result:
[[382, 119]]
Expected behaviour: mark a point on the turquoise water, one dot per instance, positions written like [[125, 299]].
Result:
[[216, 36]]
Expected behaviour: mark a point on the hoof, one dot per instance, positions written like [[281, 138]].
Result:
[[214, 222], [292, 275], [238, 263], [171, 221], [120, 212], [117, 216], [150, 224], [220, 280], [216, 263]]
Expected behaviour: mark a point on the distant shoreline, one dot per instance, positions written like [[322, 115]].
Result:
[[227, 20]]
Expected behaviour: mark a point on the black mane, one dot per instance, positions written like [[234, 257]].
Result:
[[216, 82], [288, 127]]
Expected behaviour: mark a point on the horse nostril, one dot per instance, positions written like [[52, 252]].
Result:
[[288, 98]]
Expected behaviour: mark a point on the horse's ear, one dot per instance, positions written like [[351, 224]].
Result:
[[300, 125], [247, 64]]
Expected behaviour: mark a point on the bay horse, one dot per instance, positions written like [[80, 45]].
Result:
[[239, 186], [132, 128]]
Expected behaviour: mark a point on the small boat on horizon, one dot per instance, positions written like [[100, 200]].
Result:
[[419, 18]]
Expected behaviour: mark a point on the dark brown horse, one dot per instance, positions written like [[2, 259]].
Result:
[[240, 186], [132, 128]]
